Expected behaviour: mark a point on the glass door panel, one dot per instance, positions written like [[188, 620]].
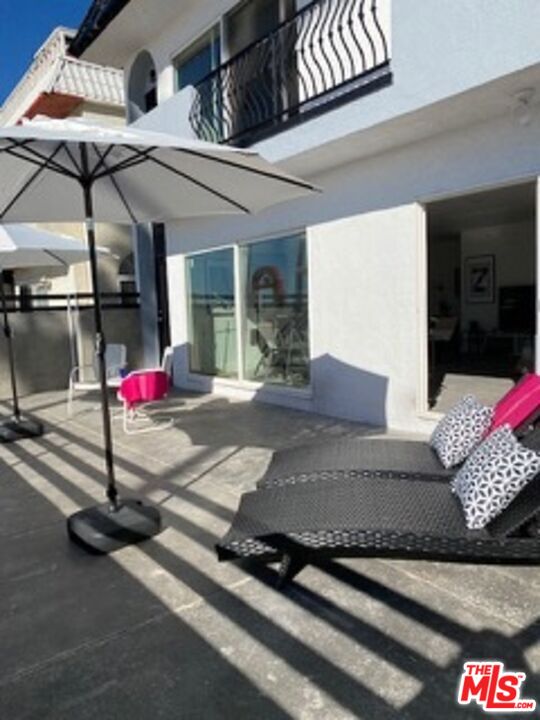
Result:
[[275, 293], [212, 314]]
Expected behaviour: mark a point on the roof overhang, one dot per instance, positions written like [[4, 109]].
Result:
[[98, 17], [114, 30]]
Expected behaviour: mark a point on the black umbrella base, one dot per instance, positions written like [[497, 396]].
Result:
[[19, 428], [100, 530]]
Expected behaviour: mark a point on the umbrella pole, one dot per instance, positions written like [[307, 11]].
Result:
[[11, 357], [105, 528], [100, 347], [17, 427]]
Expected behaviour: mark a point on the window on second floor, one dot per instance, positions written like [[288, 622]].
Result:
[[285, 61], [251, 21], [199, 59]]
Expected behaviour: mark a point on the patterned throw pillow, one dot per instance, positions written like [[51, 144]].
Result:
[[460, 430], [493, 475]]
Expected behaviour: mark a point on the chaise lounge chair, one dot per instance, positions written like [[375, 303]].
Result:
[[306, 523], [302, 514], [354, 457], [386, 457]]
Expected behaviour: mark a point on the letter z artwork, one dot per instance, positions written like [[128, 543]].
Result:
[[480, 279], [488, 684]]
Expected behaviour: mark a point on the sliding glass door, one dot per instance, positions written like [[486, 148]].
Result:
[[275, 318], [271, 310], [212, 314]]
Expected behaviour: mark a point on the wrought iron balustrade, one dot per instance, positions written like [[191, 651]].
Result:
[[44, 302], [324, 53]]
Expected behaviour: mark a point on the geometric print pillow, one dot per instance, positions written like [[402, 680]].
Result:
[[493, 475], [460, 430]]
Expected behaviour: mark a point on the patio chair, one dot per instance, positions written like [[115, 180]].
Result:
[[308, 523], [167, 361], [284, 350], [138, 390], [115, 363]]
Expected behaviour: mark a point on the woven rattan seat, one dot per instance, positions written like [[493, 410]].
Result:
[[363, 456], [414, 518]]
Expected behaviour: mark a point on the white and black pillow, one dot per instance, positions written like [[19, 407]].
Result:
[[460, 430], [493, 475]]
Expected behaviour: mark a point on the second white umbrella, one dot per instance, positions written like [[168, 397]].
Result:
[[27, 248]]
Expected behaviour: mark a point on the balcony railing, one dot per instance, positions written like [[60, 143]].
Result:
[[326, 52]]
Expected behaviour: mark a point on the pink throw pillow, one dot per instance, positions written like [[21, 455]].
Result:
[[520, 404]]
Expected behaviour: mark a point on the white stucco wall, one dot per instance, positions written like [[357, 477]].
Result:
[[170, 116], [368, 309], [367, 265], [364, 304], [438, 50]]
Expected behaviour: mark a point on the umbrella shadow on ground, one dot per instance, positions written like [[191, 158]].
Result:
[[195, 676], [254, 614], [88, 634], [258, 424], [440, 684]]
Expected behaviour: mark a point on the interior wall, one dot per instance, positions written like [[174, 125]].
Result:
[[513, 249], [444, 256]]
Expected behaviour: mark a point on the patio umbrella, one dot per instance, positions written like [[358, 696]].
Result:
[[23, 248], [64, 170]]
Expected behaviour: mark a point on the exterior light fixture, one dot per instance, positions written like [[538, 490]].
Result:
[[521, 109]]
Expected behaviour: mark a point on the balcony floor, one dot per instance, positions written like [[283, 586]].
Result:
[[163, 631]]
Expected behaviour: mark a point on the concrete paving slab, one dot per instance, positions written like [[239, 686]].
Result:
[[163, 630], [59, 598]]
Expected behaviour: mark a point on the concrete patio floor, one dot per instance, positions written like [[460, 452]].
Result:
[[163, 630]]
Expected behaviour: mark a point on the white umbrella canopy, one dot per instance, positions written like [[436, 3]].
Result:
[[68, 170], [24, 249], [137, 176]]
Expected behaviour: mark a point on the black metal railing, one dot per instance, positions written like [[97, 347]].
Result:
[[27, 302], [324, 53]]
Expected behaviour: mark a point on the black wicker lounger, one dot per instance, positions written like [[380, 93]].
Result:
[[363, 456], [306, 523]]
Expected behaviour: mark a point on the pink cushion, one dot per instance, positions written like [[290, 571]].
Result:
[[143, 387], [519, 404]]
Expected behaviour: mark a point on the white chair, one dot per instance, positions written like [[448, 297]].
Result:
[[167, 361], [115, 362]]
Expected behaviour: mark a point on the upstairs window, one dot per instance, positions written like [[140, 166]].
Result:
[[251, 21], [199, 59]]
